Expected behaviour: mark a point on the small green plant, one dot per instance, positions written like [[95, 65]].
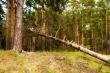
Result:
[[99, 69], [50, 71]]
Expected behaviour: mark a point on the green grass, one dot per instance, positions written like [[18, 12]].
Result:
[[50, 62]]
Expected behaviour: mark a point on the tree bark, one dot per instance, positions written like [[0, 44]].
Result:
[[107, 32], [85, 50], [18, 28], [10, 25], [43, 28], [82, 33]]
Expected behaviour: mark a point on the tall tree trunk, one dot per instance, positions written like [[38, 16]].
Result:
[[62, 32], [10, 24], [107, 32], [94, 47], [93, 34], [82, 33], [75, 28], [43, 26], [18, 28]]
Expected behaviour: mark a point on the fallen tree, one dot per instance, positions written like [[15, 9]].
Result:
[[74, 45]]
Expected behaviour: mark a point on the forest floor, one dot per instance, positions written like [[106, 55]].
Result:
[[50, 62]]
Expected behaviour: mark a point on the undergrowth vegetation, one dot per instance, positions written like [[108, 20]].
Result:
[[50, 62]]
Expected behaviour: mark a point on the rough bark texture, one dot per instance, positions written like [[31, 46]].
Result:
[[10, 24], [74, 45], [18, 28]]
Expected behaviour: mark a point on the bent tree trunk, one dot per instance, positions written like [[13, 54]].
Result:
[[92, 53], [18, 28]]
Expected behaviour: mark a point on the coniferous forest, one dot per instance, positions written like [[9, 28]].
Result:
[[55, 36]]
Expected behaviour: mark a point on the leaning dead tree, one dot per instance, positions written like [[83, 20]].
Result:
[[74, 45]]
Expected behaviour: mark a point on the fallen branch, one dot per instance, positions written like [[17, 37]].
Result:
[[74, 45]]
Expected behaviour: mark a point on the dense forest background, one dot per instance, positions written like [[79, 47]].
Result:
[[85, 22]]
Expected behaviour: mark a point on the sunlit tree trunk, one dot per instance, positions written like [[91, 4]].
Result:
[[108, 31], [75, 29], [10, 24], [93, 34], [82, 33], [44, 28], [62, 31], [93, 38], [34, 39], [18, 28]]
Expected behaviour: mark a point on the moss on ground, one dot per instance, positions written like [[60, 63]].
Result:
[[50, 62]]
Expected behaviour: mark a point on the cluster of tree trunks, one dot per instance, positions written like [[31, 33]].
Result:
[[14, 25], [14, 32]]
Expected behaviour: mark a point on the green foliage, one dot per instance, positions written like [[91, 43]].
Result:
[[55, 5], [1, 12], [1, 9], [88, 3], [90, 15]]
